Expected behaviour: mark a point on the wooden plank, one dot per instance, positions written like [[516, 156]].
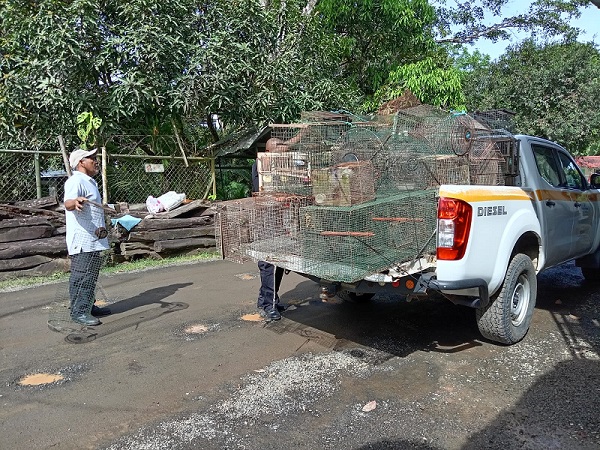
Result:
[[26, 221], [43, 202], [152, 224], [47, 268], [25, 233], [23, 263], [164, 235], [127, 247], [192, 206], [176, 244], [14, 209], [55, 245]]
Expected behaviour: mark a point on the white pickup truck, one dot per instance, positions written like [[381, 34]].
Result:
[[488, 246], [493, 240]]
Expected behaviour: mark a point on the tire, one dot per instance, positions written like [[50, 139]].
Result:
[[353, 297], [507, 317], [590, 274]]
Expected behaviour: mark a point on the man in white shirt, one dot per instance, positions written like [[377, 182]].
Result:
[[86, 236]]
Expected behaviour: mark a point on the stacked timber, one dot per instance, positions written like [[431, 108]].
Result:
[[32, 239], [33, 243], [188, 229]]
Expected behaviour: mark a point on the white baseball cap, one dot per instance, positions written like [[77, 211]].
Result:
[[78, 155]]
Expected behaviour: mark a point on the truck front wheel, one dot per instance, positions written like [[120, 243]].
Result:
[[507, 317]]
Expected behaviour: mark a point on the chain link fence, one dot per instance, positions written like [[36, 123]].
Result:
[[130, 175]]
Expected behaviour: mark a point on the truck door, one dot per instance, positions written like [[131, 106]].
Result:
[[583, 212], [556, 206]]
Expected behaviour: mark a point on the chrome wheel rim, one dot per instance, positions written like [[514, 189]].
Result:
[[519, 302]]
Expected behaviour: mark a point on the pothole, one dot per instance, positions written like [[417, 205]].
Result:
[[252, 317], [196, 329], [38, 379], [247, 276]]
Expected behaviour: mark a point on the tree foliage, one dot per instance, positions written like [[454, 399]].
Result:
[[462, 22], [377, 36], [554, 90], [148, 65]]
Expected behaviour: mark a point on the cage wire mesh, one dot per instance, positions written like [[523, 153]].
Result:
[[365, 191], [83, 289]]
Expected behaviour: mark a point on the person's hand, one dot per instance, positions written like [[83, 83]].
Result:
[[79, 201]]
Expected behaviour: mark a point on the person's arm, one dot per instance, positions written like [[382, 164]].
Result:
[[75, 203]]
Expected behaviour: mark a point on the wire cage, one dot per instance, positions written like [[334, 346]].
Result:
[[262, 227], [342, 197]]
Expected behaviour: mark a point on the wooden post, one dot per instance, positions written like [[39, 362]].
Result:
[[65, 156], [38, 178]]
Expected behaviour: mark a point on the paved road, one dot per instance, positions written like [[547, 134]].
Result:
[[177, 366]]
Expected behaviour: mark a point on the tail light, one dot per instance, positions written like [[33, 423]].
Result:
[[454, 224]]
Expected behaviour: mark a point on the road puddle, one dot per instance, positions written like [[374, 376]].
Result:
[[196, 329], [38, 379], [252, 317]]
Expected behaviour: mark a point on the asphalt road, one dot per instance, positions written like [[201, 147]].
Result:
[[179, 366]]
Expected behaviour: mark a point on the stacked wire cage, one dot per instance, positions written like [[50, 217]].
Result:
[[343, 197]]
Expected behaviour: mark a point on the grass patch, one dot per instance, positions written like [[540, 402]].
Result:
[[139, 265]]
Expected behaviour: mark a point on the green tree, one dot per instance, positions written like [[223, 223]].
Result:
[[118, 60], [377, 36], [463, 22], [554, 90]]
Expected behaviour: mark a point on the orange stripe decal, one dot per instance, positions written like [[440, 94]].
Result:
[[488, 194]]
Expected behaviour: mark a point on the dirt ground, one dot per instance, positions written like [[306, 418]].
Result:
[[185, 363]]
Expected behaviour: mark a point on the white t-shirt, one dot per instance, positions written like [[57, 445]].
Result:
[[82, 225]]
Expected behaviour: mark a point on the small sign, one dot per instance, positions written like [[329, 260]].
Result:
[[154, 167]]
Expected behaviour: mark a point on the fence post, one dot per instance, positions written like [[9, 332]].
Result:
[[38, 177]]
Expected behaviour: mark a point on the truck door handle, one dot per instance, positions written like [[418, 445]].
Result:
[[550, 203]]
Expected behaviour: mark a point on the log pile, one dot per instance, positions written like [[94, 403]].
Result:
[[188, 229], [32, 235], [32, 239]]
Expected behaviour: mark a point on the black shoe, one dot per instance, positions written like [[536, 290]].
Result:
[[100, 312], [281, 308], [270, 313], [85, 319]]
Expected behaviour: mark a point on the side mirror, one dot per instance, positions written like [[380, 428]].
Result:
[[595, 181]]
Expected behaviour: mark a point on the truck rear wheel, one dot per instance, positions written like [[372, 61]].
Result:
[[353, 297], [507, 317]]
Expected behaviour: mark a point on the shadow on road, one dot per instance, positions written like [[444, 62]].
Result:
[[559, 411], [392, 327], [149, 297], [574, 304], [387, 324]]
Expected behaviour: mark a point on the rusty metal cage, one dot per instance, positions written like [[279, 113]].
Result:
[[342, 197]]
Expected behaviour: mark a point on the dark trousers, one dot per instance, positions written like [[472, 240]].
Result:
[[85, 268], [270, 280]]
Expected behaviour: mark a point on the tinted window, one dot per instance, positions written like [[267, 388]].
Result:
[[573, 177], [547, 164]]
